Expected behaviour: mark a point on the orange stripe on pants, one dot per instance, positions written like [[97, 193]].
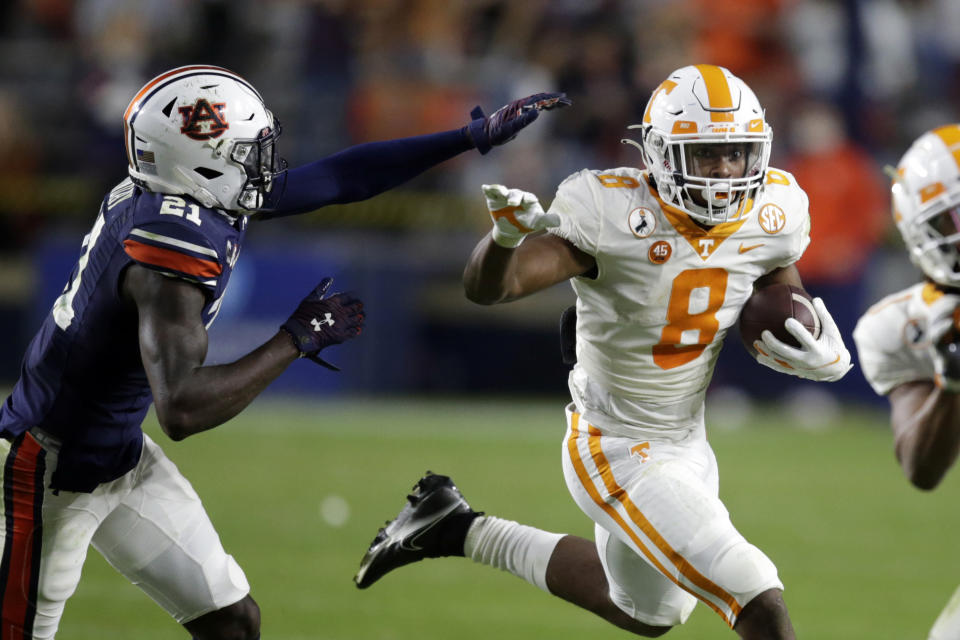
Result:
[[617, 492], [22, 495]]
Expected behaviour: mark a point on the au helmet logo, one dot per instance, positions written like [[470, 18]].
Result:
[[203, 120]]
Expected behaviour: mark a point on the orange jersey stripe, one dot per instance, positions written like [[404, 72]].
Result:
[[718, 92], [172, 259], [21, 485]]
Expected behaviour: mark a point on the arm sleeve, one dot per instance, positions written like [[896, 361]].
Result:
[[363, 171]]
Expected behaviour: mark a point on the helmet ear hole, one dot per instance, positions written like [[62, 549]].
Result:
[[208, 173]]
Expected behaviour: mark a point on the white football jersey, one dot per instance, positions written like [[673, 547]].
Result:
[[650, 326], [891, 338]]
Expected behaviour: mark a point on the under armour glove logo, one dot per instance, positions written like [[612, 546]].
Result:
[[507, 121], [321, 321], [318, 324]]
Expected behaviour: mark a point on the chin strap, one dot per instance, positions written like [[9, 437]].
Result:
[[201, 195]]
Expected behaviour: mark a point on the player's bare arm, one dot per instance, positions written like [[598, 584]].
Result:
[[497, 274], [516, 259], [783, 275], [188, 396], [925, 419]]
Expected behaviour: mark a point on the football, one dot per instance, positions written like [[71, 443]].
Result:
[[769, 307]]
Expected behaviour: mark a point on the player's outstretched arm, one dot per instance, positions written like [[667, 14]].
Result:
[[925, 420], [365, 170], [189, 397], [512, 261], [925, 414]]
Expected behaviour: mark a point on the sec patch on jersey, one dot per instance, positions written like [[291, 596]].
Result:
[[770, 307]]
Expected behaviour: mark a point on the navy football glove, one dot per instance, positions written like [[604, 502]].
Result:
[[320, 321], [506, 122]]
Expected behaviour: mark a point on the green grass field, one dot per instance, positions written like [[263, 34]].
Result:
[[863, 555]]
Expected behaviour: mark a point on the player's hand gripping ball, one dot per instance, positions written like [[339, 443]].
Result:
[[768, 309], [320, 321], [811, 346]]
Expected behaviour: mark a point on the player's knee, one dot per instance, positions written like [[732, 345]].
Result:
[[244, 622], [652, 632], [606, 609], [764, 616], [239, 621], [745, 572], [644, 630]]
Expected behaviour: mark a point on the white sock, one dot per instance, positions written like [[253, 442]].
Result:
[[511, 546], [947, 626]]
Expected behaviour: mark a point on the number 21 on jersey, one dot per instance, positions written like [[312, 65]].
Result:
[[695, 298]]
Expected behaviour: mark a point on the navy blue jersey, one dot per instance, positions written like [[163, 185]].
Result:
[[82, 379]]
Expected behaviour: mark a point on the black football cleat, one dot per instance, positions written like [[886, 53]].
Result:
[[432, 524]]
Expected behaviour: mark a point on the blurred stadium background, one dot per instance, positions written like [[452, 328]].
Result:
[[847, 85]]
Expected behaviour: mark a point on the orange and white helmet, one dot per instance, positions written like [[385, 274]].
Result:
[[926, 203], [205, 132], [697, 105]]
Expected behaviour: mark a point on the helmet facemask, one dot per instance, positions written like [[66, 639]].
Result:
[[262, 165], [689, 179], [701, 181], [934, 241]]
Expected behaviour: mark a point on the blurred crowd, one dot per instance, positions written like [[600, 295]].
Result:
[[847, 84]]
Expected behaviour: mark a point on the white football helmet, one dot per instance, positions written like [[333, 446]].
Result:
[[696, 106], [203, 131], [926, 203]]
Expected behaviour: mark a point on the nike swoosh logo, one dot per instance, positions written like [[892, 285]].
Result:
[[745, 248]]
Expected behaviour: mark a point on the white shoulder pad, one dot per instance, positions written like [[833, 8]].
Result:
[[890, 343]]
